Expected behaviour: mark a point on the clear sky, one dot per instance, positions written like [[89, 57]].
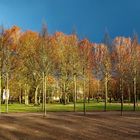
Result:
[[89, 17]]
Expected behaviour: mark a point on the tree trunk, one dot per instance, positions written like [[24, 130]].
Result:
[[135, 93], [0, 94], [68, 99], [89, 90], [45, 96], [36, 94], [20, 97], [121, 90], [43, 91], [129, 95], [26, 96], [7, 90], [64, 93], [75, 88], [84, 96], [106, 92], [26, 99]]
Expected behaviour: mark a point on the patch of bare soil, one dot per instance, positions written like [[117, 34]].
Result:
[[70, 126]]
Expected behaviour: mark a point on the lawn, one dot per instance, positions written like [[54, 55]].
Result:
[[69, 107]]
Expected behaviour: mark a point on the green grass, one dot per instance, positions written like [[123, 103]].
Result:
[[69, 107]]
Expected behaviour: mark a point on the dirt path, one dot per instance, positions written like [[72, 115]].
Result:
[[70, 126]]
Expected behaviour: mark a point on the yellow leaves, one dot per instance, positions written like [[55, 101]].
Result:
[[29, 36], [28, 42]]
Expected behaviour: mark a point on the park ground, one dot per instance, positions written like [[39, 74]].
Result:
[[61, 123], [70, 126]]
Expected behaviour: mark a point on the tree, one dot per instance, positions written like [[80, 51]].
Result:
[[28, 68], [1, 47], [102, 63], [121, 57], [9, 56], [134, 63], [86, 56], [44, 60], [74, 64]]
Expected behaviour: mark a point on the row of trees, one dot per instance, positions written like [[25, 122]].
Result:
[[39, 67]]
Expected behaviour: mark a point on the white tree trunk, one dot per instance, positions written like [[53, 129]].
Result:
[[36, 94], [26, 96], [7, 88]]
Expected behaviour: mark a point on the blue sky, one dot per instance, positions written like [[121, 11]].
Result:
[[89, 17]]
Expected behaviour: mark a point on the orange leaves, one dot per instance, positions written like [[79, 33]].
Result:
[[86, 53], [85, 46], [11, 35], [28, 42], [51, 80], [68, 51], [122, 54]]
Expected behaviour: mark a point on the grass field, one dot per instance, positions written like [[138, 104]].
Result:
[[69, 107]]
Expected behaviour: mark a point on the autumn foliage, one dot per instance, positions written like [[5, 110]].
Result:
[[107, 71]]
